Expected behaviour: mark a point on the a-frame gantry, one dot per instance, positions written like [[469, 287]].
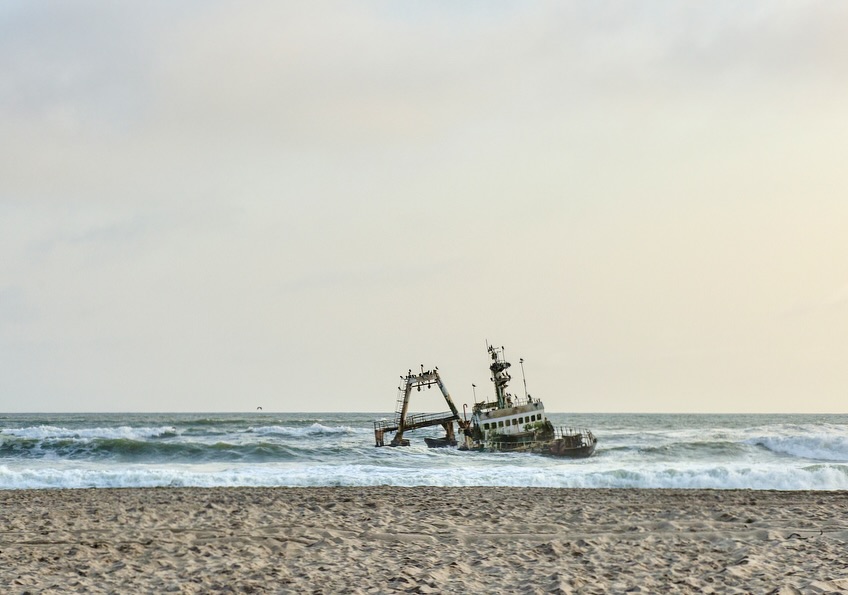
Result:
[[404, 422]]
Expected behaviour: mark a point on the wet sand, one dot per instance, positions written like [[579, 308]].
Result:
[[422, 540]]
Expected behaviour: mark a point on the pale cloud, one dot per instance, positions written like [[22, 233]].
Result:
[[838, 297]]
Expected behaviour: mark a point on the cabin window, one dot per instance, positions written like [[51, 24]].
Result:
[[514, 421], [485, 426], [521, 420], [500, 424]]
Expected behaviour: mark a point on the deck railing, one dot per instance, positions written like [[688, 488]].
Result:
[[575, 436]]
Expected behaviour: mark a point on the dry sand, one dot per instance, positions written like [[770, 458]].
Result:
[[422, 540]]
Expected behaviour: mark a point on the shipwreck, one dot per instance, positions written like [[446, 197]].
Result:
[[508, 423]]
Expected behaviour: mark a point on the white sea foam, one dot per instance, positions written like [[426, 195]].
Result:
[[777, 477]]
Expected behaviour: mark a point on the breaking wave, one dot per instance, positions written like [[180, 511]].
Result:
[[818, 447], [121, 432]]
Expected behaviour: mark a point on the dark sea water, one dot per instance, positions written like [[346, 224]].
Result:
[[783, 452]]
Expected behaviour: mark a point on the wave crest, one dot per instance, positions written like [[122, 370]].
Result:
[[117, 433], [315, 429], [817, 447]]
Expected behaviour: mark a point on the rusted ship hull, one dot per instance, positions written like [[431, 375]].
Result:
[[572, 444], [440, 442]]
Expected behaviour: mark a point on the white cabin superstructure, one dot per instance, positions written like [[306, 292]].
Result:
[[513, 420]]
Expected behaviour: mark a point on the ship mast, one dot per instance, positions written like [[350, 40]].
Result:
[[500, 377]]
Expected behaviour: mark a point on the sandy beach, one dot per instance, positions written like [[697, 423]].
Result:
[[422, 540]]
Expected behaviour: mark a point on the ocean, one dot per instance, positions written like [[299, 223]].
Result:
[[98, 450]]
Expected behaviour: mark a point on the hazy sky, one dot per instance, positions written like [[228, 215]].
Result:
[[210, 206]]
